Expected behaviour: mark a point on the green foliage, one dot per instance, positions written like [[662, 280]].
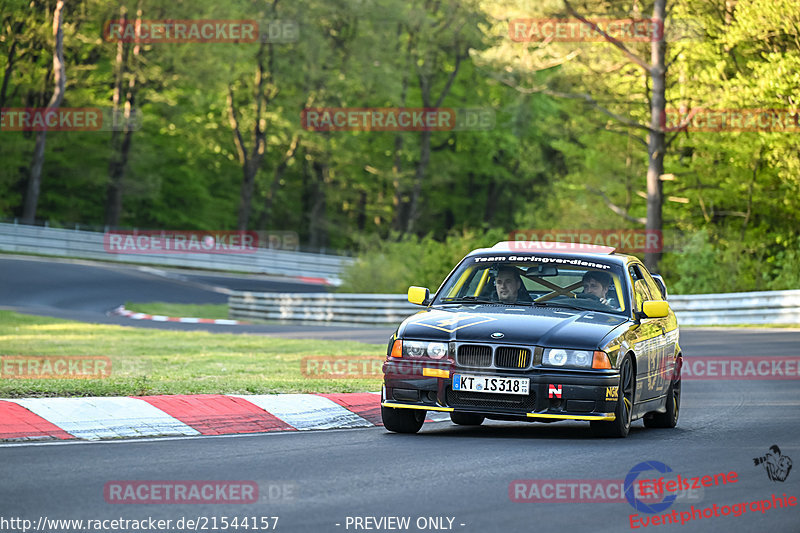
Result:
[[391, 266], [553, 159], [714, 264]]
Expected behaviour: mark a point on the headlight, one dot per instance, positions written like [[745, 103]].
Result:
[[567, 358], [555, 357], [434, 350], [414, 348], [437, 350]]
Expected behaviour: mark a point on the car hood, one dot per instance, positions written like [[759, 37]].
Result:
[[539, 326]]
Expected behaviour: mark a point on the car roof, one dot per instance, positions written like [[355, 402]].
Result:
[[556, 249]]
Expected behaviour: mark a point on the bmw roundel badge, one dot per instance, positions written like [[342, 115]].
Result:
[[497, 335]]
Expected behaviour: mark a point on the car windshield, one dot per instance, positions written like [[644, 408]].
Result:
[[566, 282]]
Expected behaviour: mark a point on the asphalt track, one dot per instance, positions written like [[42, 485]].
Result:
[[463, 474], [87, 291]]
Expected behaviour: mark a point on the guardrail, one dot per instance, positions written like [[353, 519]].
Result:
[[321, 308], [765, 307], [89, 245], [771, 307]]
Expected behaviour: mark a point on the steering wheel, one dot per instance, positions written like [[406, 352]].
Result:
[[587, 295]]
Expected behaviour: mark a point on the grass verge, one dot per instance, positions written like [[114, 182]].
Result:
[[215, 311], [147, 361]]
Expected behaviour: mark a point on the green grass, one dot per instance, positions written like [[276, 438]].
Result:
[[147, 361], [215, 311]]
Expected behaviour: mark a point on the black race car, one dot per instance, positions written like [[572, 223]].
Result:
[[538, 332]]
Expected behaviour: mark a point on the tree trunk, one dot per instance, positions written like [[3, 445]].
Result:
[[425, 139], [656, 145], [318, 233], [10, 58], [249, 172], [35, 180], [399, 200], [491, 201], [120, 150], [263, 95], [419, 176], [361, 215], [280, 171]]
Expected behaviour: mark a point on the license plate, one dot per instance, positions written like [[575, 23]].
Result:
[[491, 384]]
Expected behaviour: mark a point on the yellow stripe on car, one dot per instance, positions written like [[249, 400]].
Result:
[[573, 417]]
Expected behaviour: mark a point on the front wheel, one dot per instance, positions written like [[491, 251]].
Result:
[[621, 425], [402, 420], [669, 418]]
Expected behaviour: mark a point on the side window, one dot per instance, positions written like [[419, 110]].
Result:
[[641, 290], [474, 282], [655, 290]]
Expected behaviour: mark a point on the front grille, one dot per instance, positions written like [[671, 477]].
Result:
[[490, 400], [475, 355], [506, 357]]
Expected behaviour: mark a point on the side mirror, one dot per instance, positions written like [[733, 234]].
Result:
[[655, 309], [418, 295]]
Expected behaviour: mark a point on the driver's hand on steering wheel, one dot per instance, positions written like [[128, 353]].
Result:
[[592, 296]]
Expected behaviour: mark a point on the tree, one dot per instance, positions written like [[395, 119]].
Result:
[[656, 146], [35, 179], [122, 131], [441, 36]]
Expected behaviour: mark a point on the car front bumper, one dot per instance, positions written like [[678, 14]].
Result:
[[553, 394]]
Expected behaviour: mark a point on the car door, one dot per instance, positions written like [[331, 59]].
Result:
[[669, 327], [650, 339]]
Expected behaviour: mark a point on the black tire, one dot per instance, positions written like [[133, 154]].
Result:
[[668, 419], [466, 419], [402, 420], [621, 425]]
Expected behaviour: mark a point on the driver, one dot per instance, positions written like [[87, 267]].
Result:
[[596, 284], [508, 284]]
